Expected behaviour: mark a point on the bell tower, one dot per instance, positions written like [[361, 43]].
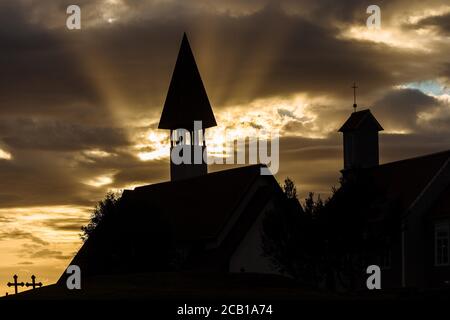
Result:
[[187, 113], [361, 140]]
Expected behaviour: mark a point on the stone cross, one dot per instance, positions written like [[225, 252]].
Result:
[[15, 284], [33, 282]]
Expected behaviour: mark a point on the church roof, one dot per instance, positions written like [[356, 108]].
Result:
[[186, 99], [442, 205], [363, 119], [404, 180], [198, 208]]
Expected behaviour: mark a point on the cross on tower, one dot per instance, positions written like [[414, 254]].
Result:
[[15, 284], [33, 282], [354, 96]]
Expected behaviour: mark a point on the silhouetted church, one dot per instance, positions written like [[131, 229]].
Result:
[[418, 256], [214, 219]]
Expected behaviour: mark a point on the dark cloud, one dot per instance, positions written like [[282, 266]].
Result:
[[440, 22], [5, 219], [37, 251], [399, 109], [19, 234], [65, 224], [402, 146], [40, 178], [265, 53], [47, 253], [313, 164], [40, 76], [63, 93], [44, 178], [141, 172], [59, 135]]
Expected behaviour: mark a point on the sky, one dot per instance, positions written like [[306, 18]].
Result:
[[79, 109]]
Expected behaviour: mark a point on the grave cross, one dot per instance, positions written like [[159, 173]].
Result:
[[33, 283], [15, 284]]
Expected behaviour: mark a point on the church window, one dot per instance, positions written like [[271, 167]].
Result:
[[441, 237], [386, 259]]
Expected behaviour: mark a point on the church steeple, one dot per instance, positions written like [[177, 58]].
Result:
[[186, 103], [186, 99]]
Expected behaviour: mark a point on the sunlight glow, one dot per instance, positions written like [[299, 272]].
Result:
[[390, 37], [97, 153], [154, 145], [5, 155], [100, 181], [431, 12], [393, 32], [262, 118], [396, 131], [161, 153]]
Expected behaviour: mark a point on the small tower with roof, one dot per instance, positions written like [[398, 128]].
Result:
[[360, 138], [187, 102]]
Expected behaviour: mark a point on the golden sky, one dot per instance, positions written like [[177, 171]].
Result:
[[79, 109]]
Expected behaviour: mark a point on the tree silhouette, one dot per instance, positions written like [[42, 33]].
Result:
[[127, 236], [288, 238], [106, 207], [290, 190], [330, 243], [357, 224]]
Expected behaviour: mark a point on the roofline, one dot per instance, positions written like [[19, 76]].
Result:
[[193, 178], [426, 189], [398, 161], [414, 158], [366, 113], [220, 237]]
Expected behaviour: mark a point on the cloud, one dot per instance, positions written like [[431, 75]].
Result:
[[264, 53], [77, 105], [65, 224], [47, 253], [19, 234], [5, 219], [399, 109], [440, 22], [58, 135], [412, 111], [4, 155]]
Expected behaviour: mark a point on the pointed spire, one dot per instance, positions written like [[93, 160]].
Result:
[[186, 99]]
